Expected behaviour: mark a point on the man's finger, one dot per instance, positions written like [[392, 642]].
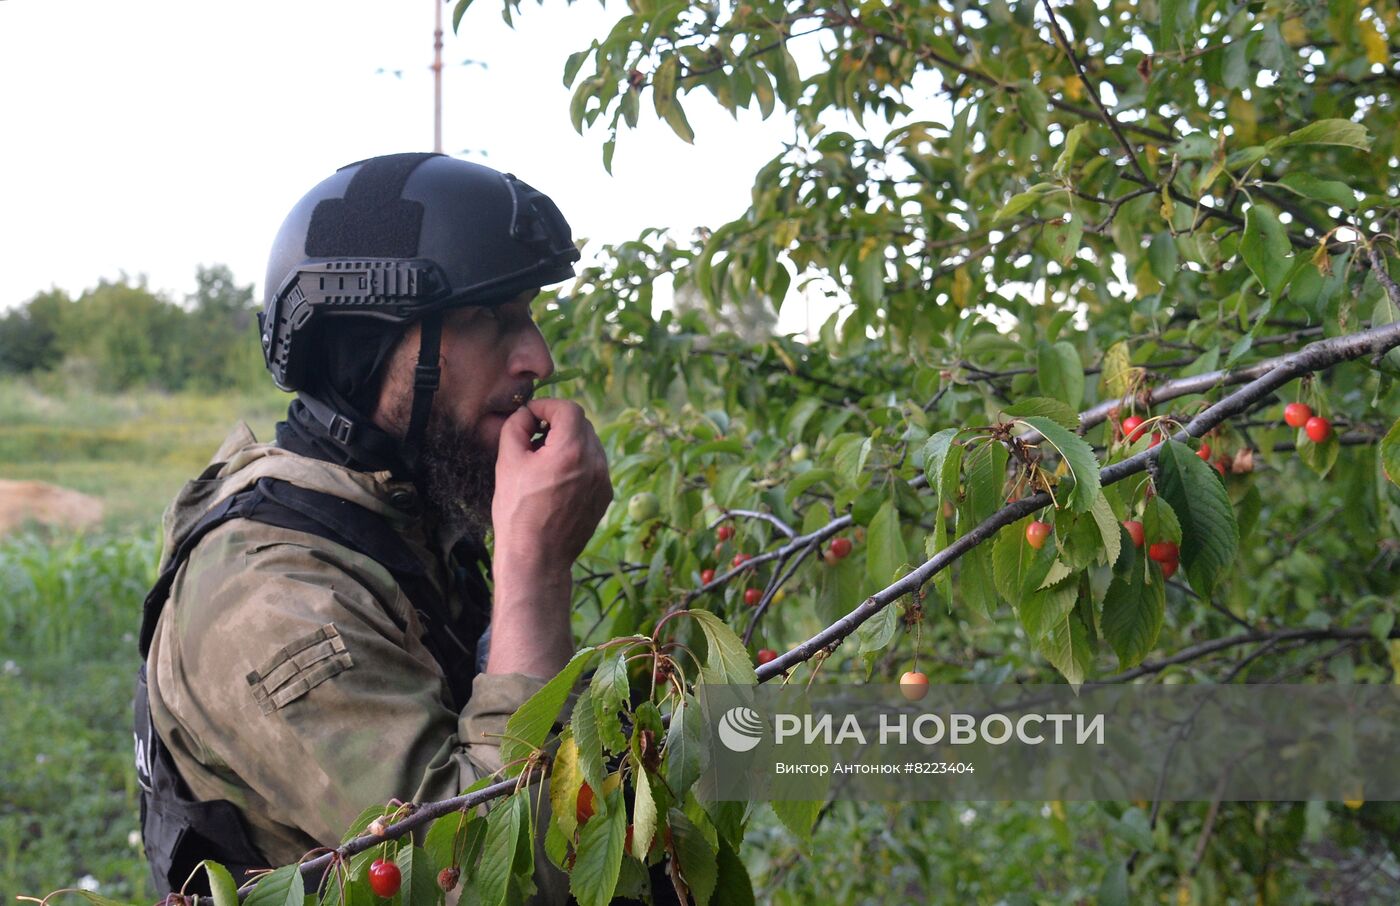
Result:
[[563, 413], [517, 430]]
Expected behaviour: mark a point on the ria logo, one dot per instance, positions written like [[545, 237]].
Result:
[[740, 729]]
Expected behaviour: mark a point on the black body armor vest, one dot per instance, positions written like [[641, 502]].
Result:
[[179, 831]]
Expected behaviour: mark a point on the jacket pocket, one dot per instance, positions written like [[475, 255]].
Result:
[[299, 667]]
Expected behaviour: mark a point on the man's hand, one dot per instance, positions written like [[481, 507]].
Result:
[[549, 500], [547, 504]]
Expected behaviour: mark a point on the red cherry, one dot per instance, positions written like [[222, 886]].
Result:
[[1163, 551], [384, 878], [1297, 414], [583, 808], [740, 559], [724, 532], [1036, 533], [1222, 465], [707, 576], [829, 557], [1204, 451], [914, 685], [1135, 531], [1169, 568], [766, 654], [1317, 428], [1156, 438], [1131, 428], [840, 548], [752, 596]]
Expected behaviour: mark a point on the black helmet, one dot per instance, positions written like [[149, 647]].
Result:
[[393, 240]]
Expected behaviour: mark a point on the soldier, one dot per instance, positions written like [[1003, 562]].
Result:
[[318, 641]]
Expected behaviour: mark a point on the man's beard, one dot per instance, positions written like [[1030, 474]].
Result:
[[458, 478]]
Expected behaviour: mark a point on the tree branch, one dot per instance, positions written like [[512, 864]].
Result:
[[1314, 357], [1094, 95]]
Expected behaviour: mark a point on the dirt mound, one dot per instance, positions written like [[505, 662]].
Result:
[[47, 504]]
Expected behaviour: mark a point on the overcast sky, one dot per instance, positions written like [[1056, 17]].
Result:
[[151, 136]]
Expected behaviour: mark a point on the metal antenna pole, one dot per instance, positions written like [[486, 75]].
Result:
[[437, 79]]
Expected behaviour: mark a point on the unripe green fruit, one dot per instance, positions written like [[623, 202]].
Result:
[[799, 453], [643, 506]]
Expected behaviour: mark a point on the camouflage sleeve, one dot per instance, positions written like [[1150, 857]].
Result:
[[308, 692]]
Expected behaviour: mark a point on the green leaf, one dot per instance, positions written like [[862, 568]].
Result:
[[1067, 648], [799, 816], [1117, 375], [1265, 248], [565, 781], [885, 554], [684, 746], [1109, 528], [527, 727], [985, 477], [1024, 201], [503, 826], [1327, 132], [1162, 257], [1318, 457], [458, 12], [282, 887], [727, 662], [1159, 522], [419, 877], [573, 64], [1328, 191], [786, 78], [1133, 611], [806, 480], [643, 813], [663, 85], [1044, 407], [733, 887], [1066, 158], [1170, 31], [848, 453], [1078, 456], [1210, 536], [1062, 237], [1113, 889], [1060, 372], [221, 884], [675, 118], [875, 633], [1389, 452], [1018, 568], [695, 856], [594, 878], [610, 692], [588, 740], [1041, 611]]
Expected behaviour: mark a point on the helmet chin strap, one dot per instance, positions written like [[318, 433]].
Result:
[[425, 384]]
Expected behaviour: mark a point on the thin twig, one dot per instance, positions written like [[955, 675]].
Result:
[[1094, 92]]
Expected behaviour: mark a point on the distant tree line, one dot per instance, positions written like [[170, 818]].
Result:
[[120, 335]]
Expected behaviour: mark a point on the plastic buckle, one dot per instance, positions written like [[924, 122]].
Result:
[[426, 377], [342, 429]]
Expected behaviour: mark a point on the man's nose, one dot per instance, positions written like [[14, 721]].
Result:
[[530, 355]]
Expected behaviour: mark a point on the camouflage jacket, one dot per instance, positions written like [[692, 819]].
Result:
[[280, 679]]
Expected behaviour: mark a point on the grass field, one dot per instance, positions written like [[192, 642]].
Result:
[[69, 612], [132, 450]]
